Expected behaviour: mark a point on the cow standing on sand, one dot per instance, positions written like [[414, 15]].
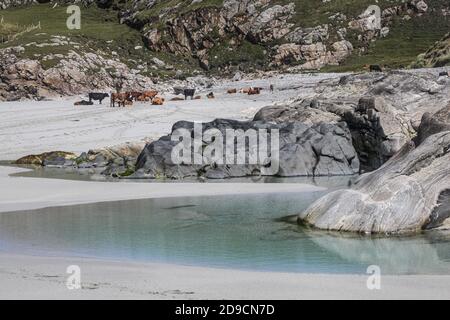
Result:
[[121, 99], [189, 93], [97, 96]]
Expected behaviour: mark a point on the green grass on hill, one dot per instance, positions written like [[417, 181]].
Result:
[[406, 40], [100, 32]]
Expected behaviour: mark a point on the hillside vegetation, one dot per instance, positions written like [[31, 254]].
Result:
[[138, 42]]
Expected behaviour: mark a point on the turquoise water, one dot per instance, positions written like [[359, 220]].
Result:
[[244, 232]]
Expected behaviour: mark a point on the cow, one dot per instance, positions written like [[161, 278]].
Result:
[[97, 96], [232, 91], [245, 90], [83, 103], [444, 74], [149, 95], [158, 101], [134, 95], [271, 88], [210, 95], [189, 93], [254, 91], [375, 68], [121, 99]]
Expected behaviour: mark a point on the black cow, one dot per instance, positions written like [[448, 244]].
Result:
[[189, 93], [97, 96], [444, 74], [375, 68]]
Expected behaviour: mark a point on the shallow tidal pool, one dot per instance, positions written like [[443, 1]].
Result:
[[241, 231]]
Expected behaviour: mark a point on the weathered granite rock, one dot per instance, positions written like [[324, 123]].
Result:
[[407, 194], [434, 123], [376, 132], [73, 74], [304, 150]]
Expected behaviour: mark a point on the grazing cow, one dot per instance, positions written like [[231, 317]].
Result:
[[210, 95], [177, 99], [158, 101], [254, 91], [121, 99], [189, 93], [97, 96], [83, 103], [134, 95], [444, 74], [375, 68], [232, 91]]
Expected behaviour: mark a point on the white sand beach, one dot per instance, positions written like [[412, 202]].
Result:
[[28, 277], [33, 127]]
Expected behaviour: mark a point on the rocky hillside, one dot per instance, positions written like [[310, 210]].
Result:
[[136, 43], [437, 56]]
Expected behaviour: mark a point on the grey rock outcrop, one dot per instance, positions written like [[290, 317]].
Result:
[[304, 150], [407, 194], [74, 73], [434, 123]]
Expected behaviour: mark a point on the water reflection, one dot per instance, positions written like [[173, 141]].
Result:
[[225, 231]]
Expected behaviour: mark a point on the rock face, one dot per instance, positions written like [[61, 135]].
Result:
[[73, 74], [437, 56], [407, 194], [304, 150], [242, 34], [382, 111], [434, 123]]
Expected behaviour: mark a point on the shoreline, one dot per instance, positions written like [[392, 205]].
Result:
[[24, 193], [38, 277]]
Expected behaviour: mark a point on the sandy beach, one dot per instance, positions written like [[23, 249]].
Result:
[[33, 127], [28, 277]]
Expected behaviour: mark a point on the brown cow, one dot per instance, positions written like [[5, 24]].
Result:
[[245, 90], [151, 94], [158, 101], [120, 98], [253, 91], [134, 95], [232, 91]]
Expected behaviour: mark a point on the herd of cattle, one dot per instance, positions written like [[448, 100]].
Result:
[[122, 99]]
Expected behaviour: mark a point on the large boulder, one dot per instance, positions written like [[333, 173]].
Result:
[[320, 149], [434, 123], [407, 194]]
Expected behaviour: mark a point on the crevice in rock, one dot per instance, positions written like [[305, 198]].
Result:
[[441, 211]]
